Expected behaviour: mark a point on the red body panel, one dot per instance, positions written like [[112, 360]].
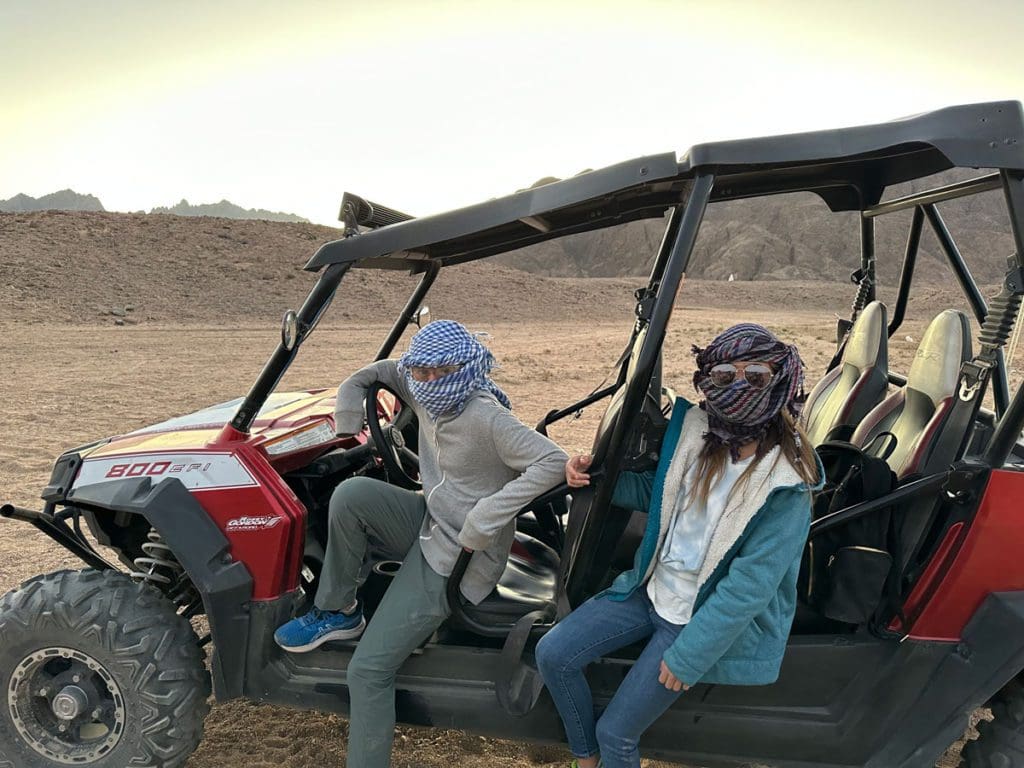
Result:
[[932, 577], [271, 551], [241, 488], [989, 560]]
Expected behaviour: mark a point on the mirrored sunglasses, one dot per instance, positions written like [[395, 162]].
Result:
[[757, 375]]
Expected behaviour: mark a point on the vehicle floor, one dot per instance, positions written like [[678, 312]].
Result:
[[65, 385]]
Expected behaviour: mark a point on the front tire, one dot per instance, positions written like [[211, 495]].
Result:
[[97, 670], [1000, 742]]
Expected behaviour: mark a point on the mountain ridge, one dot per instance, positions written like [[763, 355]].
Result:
[[87, 268], [225, 209], [69, 200], [63, 200], [782, 237], [789, 237]]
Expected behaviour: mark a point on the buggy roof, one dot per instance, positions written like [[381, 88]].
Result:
[[849, 168]]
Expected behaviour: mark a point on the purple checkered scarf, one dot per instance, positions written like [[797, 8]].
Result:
[[738, 414]]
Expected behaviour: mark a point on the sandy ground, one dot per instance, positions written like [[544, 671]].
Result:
[[64, 385]]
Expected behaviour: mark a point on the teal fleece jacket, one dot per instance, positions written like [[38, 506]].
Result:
[[746, 595]]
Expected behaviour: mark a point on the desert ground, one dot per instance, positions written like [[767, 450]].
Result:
[[65, 385], [111, 322]]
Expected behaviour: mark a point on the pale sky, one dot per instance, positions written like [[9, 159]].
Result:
[[426, 106]]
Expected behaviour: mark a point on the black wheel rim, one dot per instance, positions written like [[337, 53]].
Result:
[[66, 706]]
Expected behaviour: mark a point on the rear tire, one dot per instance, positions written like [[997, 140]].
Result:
[[1000, 742], [100, 671]]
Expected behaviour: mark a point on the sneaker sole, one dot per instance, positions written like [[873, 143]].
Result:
[[337, 634]]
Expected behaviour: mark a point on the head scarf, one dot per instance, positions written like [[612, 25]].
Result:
[[739, 413], [445, 342]]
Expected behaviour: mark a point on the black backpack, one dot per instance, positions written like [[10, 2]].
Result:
[[847, 574]]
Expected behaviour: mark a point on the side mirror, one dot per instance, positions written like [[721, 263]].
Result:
[[290, 330], [422, 316]]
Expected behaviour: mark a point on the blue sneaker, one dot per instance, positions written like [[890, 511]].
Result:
[[318, 627]]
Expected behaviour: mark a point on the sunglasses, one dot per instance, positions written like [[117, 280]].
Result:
[[430, 373], [757, 375]]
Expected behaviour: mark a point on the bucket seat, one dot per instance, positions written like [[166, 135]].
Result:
[[527, 584], [918, 416], [857, 384], [917, 413]]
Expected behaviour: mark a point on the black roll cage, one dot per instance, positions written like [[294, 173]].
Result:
[[849, 169]]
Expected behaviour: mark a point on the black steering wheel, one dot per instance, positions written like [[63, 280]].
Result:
[[389, 443]]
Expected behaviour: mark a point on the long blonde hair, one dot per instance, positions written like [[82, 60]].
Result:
[[783, 432]]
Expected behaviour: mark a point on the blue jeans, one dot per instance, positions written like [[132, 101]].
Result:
[[596, 628]]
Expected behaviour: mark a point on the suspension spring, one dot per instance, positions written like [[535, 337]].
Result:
[[865, 287], [160, 567]]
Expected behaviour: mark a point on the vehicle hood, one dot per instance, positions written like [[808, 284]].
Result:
[[282, 414]]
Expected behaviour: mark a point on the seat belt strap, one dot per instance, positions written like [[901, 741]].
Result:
[[956, 433]]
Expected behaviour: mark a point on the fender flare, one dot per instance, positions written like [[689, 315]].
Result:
[[203, 551], [988, 655]]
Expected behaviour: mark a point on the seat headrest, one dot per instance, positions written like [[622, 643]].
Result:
[[867, 345], [945, 346]]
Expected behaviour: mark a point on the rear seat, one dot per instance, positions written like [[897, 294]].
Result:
[[846, 394]]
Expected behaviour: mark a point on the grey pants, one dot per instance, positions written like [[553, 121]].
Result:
[[364, 511]]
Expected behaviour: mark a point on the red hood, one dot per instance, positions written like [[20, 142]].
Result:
[[283, 413]]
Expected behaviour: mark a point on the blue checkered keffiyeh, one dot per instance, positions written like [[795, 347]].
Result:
[[445, 342]]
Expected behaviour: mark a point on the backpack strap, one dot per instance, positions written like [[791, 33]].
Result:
[[878, 479]]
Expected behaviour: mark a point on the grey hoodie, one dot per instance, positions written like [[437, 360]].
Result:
[[478, 469]]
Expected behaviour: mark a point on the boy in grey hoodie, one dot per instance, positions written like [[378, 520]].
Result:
[[479, 466]]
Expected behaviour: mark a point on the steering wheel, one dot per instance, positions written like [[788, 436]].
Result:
[[401, 463]]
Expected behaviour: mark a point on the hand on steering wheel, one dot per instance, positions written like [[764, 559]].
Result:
[[401, 463]]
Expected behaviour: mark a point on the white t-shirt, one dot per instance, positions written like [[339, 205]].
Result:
[[673, 583]]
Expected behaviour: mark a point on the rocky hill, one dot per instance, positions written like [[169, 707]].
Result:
[[226, 210], [135, 268], [788, 237], [120, 268], [69, 200], [65, 200]]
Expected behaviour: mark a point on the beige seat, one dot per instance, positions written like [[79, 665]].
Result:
[[846, 394], [918, 412]]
